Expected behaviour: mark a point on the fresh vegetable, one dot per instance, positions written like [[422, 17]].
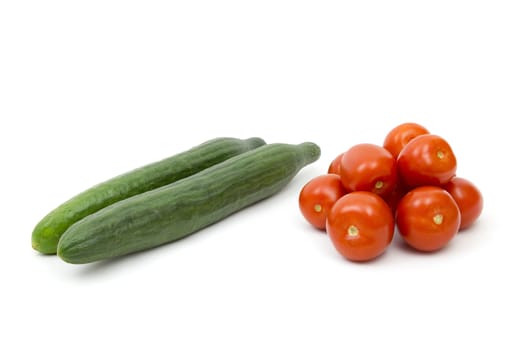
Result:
[[318, 196], [360, 226], [414, 175], [395, 197], [368, 167], [426, 160], [468, 198], [401, 135], [428, 218], [48, 231], [177, 210], [335, 165]]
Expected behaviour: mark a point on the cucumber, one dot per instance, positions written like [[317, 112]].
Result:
[[49, 230], [182, 208]]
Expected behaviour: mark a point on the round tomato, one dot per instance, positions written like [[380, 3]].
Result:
[[468, 198], [394, 198], [335, 165], [426, 160], [360, 226], [399, 136], [428, 218], [318, 196], [368, 167]]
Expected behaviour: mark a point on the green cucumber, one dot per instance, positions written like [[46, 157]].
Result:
[[48, 231], [182, 208]]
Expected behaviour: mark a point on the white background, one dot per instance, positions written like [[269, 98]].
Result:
[[91, 89]]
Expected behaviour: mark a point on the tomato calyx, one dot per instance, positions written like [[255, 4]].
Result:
[[353, 231]]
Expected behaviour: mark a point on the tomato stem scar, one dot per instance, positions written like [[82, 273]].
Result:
[[438, 219], [353, 231]]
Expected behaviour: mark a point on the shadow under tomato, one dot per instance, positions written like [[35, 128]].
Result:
[[400, 244], [470, 229], [377, 260]]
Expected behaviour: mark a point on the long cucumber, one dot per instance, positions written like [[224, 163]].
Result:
[[182, 208], [48, 231]]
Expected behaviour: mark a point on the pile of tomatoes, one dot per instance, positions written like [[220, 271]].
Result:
[[410, 182]]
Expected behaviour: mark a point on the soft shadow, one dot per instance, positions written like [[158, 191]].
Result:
[[470, 229], [400, 244], [128, 261], [135, 259], [369, 263], [44, 256]]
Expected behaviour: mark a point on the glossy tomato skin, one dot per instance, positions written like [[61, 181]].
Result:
[[468, 198], [318, 196], [395, 197], [335, 165], [401, 135], [360, 226], [368, 167], [426, 160], [428, 218]]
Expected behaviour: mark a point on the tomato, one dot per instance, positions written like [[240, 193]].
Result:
[[428, 218], [318, 196], [468, 198], [399, 136], [394, 198], [360, 226], [368, 167], [335, 165], [426, 160]]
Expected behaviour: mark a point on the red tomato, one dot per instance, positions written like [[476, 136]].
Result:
[[426, 160], [468, 199], [428, 218], [368, 167], [318, 196], [360, 226], [399, 136], [394, 198], [335, 165]]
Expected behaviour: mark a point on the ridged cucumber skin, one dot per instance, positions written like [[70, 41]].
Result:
[[48, 231], [182, 208]]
